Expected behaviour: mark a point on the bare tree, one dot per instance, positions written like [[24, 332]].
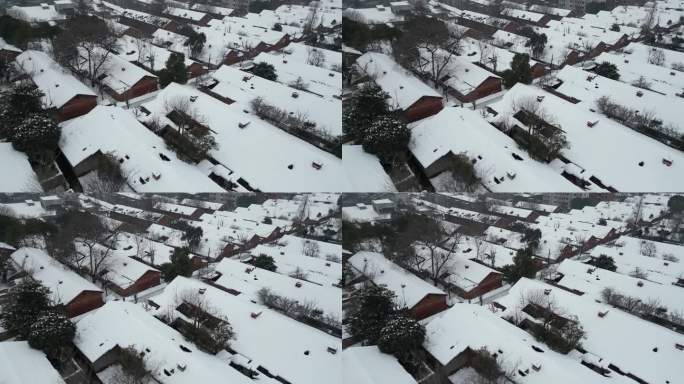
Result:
[[315, 56], [311, 248], [84, 241], [656, 56], [108, 177], [481, 247], [86, 45], [648, 249], [312, 19], [427, 46]]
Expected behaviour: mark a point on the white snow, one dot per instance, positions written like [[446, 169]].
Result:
[[367, 365], [259, 152], [64, 284], [408, 288], [461, 130], [248, 280], [116, 131], [125, 324], [21, 364], [17, 173], [364, 171], [403, 88], [617, 166], [620, 338], [57, 84], [274, 341]]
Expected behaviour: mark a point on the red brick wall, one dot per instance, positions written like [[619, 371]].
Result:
[[77, 106], [195, 70], [145, 85], [491, 282], [489, 86], [538, 70], [86, 301], [428, 306], [146, 281], [425, 106]]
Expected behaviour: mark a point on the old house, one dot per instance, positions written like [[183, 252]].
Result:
[[418, 296], [124, 81], [67, 288], [21, 364], [406, 92], [8, 52], [62, 92], [101, 335]]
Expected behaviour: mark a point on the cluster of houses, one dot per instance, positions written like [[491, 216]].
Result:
[[125, 114], [470, 309], [128, 304], [469, 112]]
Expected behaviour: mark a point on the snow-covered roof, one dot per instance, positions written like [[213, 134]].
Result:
[[461, 130], [660, 79], [36, 14], [523, 15], [170, 236], [173, 41], [288, 254], [150, 251], [459, 73], [621, 339], [154, 57], [21, 364], [299, 52], [592, 281], [5, 46], [243, 87], [478, 51], [57, 84], [363, 213], [212, 9], [175, 208], [618, 168], [550, 10], [267, 157], [64, 284], [589, 87], [118, 268], [586, 29], [248, 280], [272, 340], [470, 326], [185, 13], [367, 365], [121, 75], [635, 16], [364, 171], [320, 81], [402, 86], [375, 15], [125, 324], [328, 14], [461, 271], [626, 252], [408, 288], [201, 203], [17, 173], [641, 52], [115, 130], [504, 237]]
